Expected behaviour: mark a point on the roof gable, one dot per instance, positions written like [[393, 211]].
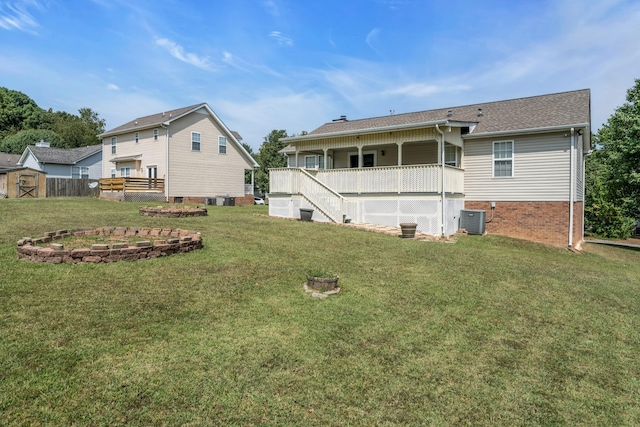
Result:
[[166, 117]]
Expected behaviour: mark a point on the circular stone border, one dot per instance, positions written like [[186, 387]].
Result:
[[173, 211], [167, 242]]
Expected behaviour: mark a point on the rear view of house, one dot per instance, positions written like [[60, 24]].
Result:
[[184, 155], [521, 161]]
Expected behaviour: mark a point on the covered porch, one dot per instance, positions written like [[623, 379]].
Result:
[[380, 176]]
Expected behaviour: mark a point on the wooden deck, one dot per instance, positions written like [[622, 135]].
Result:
[[155, 185]]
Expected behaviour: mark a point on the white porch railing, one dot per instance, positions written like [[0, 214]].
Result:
[[386, 179], [293, 180]]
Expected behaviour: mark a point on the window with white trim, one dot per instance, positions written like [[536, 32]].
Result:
[[114, 141], [310, 162], [137, 137], [113, 173], [125, 172], [222, 145], [195, 141], [503, 159], [155, 134], [451, 155], [78, 172]]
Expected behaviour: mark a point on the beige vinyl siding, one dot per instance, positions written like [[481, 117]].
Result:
[[203, 173], [153, 152], [540, 169]]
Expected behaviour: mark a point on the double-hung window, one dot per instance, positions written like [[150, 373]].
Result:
[[113, 173], [137, 137], [155, 134], [503, 159], [451, 155], [78, 172], [310, 162], [195, 141], [222, 145], [114, 141], [125, 172]]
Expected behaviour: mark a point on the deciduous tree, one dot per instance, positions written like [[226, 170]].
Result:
[[269, 157]]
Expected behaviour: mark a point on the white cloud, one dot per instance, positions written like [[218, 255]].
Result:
[[420, 90], [371, 37], [112, 86], [255, 119], [278, 37], [272, 7], [178, 52], [15, 16]]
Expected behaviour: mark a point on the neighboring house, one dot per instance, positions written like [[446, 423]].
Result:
[[189, 151], [81, 162], [8, 161], [519, 160]]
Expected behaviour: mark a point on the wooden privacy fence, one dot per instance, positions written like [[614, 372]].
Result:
[[68, 187]]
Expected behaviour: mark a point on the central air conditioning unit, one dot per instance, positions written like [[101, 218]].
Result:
[[473, 220]]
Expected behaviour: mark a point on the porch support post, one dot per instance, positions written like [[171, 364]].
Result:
[[399, 153], [296, 165], [360, 161], [444, 199], [326, 158]]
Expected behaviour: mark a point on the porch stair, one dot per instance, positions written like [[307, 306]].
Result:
[[328, 201]]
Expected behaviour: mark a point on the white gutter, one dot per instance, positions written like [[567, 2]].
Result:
[[526, 131], [571, 185], [166, 174], [444, 207]]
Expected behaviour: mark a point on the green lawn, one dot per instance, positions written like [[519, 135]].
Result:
[[487, 331]]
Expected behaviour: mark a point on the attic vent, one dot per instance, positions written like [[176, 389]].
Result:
[[341, 119], [136, 122], [480, 114], [449, 113]]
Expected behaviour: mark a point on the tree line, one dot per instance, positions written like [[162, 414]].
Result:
[[612, 204], [23, 122]]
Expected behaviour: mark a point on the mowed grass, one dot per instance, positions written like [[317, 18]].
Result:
[[487, 331]]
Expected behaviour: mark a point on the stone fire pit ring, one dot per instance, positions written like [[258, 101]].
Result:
[[159, 242], [172, 211]]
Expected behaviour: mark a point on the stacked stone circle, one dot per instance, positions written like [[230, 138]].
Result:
[[173, 211], [166, 242]]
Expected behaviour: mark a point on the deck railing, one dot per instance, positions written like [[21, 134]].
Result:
[[155, 185], [385, 179]]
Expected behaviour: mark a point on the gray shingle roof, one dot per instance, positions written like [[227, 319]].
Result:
[[9, 160], [536, 112], [63, 156], [152, 120]]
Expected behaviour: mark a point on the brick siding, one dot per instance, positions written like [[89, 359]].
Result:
[[543, 222]]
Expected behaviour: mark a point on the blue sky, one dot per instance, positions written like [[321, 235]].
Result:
[[296, 64]]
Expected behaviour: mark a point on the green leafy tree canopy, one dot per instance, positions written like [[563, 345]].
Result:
[[269, 157]]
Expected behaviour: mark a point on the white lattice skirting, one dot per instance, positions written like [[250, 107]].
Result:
[[425, 210]]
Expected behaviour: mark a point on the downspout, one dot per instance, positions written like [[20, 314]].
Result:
[[571, 185], [444, 207], [166, 174]]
